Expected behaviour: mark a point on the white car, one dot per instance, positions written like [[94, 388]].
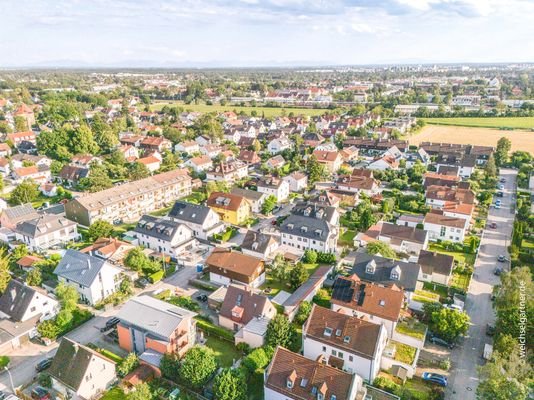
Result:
[[454, 307]]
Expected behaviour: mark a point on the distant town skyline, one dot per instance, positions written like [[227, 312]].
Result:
[[247, 33]]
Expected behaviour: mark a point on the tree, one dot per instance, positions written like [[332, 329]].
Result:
[[97, 180], [25, 192], [367, 219], [269, 205], [141, 391], [279, 267], [139, 261], [297, 276], [20, 251], [169, 366], [82, 141], [382, 248], [34, 278], [138, 171], [67, 296], [501, 153], [316, 171], [21, 125], [449, 324], [99, 229], [303, 313], [5, 276], [208, 124], [491, 167], [280, 332], [310, 256], [197, 366], [128, 364], [230, 384], [103, 134]]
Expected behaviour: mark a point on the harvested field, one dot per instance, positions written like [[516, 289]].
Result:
[[521, 140]]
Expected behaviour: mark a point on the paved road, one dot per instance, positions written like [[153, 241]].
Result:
[[467, 357]]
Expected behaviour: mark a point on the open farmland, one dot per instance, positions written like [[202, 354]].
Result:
[[268, 111], [521, 140], [485, 122]]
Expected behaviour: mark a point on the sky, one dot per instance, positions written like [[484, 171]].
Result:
[[245, 33]]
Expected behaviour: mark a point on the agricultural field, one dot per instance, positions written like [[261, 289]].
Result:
[[268, 111], [521, 140], [495, 122]]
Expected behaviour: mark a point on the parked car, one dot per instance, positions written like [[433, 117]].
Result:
[[502, 180], [435, 378], [110, 323], [202, 297], [501, 187], [441, 342], [142, 283], [501, 258], [497, 206], [454, 307], [43, 364], [500, 194], [493, 225], [490, 330], [40, 393], [498, 271]]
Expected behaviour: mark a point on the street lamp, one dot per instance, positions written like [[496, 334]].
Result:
[[10, 379]]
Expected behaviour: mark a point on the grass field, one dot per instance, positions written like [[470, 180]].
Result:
[[495, 122], [521, 140], [269, 111]]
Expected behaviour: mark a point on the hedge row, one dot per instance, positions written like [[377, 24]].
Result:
[[208, 327]]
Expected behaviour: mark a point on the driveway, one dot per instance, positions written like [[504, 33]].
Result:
[[467, 357]]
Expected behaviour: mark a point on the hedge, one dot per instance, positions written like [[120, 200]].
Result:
[[208, 327], [258, 358], [156, 276]]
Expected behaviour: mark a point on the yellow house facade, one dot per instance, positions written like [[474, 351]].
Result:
[[233, 209]]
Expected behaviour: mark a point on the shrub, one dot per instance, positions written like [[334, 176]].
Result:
[[128, 364], [303, 313], [208, 327], [198, 366], [445, 364], [243, 347], [184, 302], [156, 276], [258, 358], [387, 385], [4, 362], [326, 258], [310, 257], [45, 380]]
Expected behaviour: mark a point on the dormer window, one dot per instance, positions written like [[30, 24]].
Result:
[[382, 303], [328, 331], [304, 229], [371, 267], [320, 396], [346, 339], [291, 379], [338, 332], [333, 397], [395, 273]]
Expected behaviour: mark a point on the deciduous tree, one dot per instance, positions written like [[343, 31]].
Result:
[[197, 366]]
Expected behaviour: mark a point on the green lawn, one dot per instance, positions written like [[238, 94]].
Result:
[[275, 285], [412, 328], [404, 353], [195, 198], [419, 386], [460, 281], [225, 351], [462, 258], [255, 385], [347, 238], [114, 394], [268, 111], [441, 290], [491, 122]]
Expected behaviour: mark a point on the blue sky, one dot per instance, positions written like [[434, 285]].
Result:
[[263, 32]]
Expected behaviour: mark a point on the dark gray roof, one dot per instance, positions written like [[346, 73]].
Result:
[[20, 212], [383, 267], [16, 299], [159, 228], [262, 241], [188, 212], [435, 262], [71, 362], [314, 210], [43, 225], [247, 194], [78, 267], [308, 227]]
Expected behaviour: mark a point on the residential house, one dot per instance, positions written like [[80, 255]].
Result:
[[93, 278], [344, 341], [233, 209], [70, 175], [199, 164], [291, 376], [278, 145], [22, 307], [202, 220], [359, 181], [5, 150], [332, 160], [275, 162], [436, 267], [465, 163], [385, 271], [386, 162], [443, 227], [210, 150], [188, 146], [298, 181], [403, 239], [5, 166], [249, 157], [110, 249], [48, 189], [23, 160], [20, 137], [155, 143], [247, 314], [455, 201], [46, 231], [85, 160], [377, 303], [129, 201], [12, 216], [25, 112], [226, 266], [164, 236], [435, 179], [311, 226], [274, 186], [256, 199], [151, 328], [419, 155], [411, 220], [260, 245], [227, 172], [37, 174], [349, 154], [130, 153], [152, 162], [80, 372]]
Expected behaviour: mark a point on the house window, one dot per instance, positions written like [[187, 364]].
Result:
[[32, 309], [351, 358], [333, 352], [324, 349], [442, 231], [340, 354]]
